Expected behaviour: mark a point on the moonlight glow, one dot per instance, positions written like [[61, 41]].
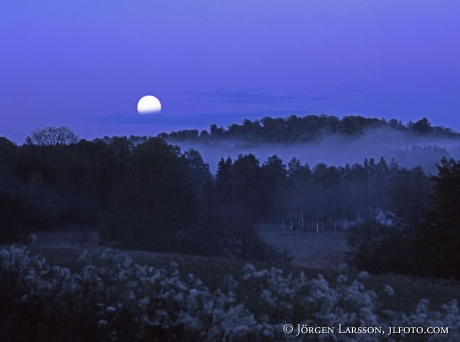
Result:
[[148, 105]]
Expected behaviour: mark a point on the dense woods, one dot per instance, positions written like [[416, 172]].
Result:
[[307, 128], [147, 194]]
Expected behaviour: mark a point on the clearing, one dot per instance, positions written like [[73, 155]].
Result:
[[323, 250]]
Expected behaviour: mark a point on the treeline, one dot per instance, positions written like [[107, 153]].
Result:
[[322, 197], [81, 182], [307, 128], [147, 194]]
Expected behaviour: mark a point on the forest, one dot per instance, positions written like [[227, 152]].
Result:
[[308, 128], [145, 193]]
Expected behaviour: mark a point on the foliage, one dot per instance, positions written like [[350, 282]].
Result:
[[148, 194], [439, 236], [170, 200], [52, 136], [11, 227], [114, 298], [387, 244], [409, 192], [17, 218], [307, 128], [380, 248]]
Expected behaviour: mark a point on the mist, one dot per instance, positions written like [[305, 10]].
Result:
[[338, 150]]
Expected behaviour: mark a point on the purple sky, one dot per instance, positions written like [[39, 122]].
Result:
[[86, 63]]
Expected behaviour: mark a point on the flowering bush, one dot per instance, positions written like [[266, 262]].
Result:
[[115, 299]]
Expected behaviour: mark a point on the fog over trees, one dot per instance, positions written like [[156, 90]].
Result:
[[325, 139], [368, 178]]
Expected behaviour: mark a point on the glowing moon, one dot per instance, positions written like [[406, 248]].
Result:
[[148, 105]]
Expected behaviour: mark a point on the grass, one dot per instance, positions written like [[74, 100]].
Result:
[[408, 291], [322, 250], [106, 293], [313, 253]]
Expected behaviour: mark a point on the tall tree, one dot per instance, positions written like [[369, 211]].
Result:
[[247, 202], [292, 200], [198, 169], [224, 181], [273, 176], [155, 201], [421, 127], [8, 151], [439, 237]]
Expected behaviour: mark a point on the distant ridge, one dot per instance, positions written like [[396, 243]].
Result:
[[307, 128]]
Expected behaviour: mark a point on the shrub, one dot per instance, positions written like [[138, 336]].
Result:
[[11, 213], [114, 298], [379, 248]]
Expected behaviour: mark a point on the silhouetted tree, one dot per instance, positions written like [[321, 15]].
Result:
[[381, 248], [409, 191], [307, 128], [12, 211], [52, 136], [8, 152], [198, 169], [439, 237], [224, 182], [421, 127], [272, 177], [247, 202]]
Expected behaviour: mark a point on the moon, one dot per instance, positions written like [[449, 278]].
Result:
[[148, 105]]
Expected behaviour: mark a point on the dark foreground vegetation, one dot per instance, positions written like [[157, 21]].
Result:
[[107, 295], [148, 196]]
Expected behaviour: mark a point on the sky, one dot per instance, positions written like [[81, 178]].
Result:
[[85, 64]]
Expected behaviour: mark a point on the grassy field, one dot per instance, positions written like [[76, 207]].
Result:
[[337, 297], [407, 291], [323, 250], [312, 253]]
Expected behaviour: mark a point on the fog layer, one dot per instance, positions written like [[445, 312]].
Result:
[[407, 150]]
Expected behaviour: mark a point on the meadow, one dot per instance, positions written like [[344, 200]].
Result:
[[64, 293]]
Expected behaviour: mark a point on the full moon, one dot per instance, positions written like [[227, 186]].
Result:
[[148, 105]]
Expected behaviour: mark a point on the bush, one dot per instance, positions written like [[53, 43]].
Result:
[[113, 298], [380, 248], [439, 237], [12, 212]]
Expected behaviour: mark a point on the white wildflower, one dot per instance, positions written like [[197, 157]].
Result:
[[110, 309], [131, 295], [249, 271], [144, 301], [179, 297], [342, 278], [127, 262], [363, 275], [44, 285], [268, 298], [103, 323], [261, 274], [113, 335], [132, 283], [194, 292], [389, 290]]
